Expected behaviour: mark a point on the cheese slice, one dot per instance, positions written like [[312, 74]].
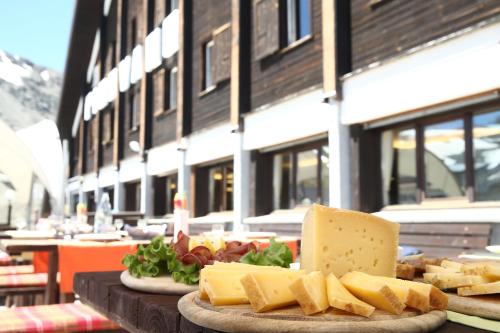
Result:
[[453, 280], [440, 269], [339, 241], [489, 270], [480, 289], [372, 291], [270, 290], [340, 298], [310, 292], [452, 265], [415, 297], [227, 268]]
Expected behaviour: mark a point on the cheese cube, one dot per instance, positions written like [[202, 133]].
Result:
[[310, 292], [480, 289], [224, 287], [339, 241], [227, 268], [270, 290], [372, 291], [340, 298]]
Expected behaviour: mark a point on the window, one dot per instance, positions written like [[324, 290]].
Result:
[[111, 193], [220, 187], [91, 204], [297, 15], [108, 126], [456, 158], [207, 65], [399, 161], [133, 110], [300, 177], [133, 40], [444, 155], [133, 196], [170, 97], [486, 142], [170, 6], [165, 190]]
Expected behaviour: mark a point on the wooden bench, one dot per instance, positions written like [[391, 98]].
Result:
[[68, 317], [445, 239]]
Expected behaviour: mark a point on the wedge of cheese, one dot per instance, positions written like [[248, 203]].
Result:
[[339, 241], [480, 289], [372, 291], [440, 269], [310, 292], [452, 265], [453, 280], [489, 270], [225, 288], [270, 290], [226, 269], [340, 298]]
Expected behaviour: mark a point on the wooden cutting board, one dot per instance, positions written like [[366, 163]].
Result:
[[156, 285], [241, 318], [487, 306]]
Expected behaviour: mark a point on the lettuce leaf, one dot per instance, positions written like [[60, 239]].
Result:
[[277, 254]]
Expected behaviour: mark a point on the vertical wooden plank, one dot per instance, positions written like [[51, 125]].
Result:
[[144, 85], [117, 119], [183, 70], [330, 77], [235, 65], [81, 147]]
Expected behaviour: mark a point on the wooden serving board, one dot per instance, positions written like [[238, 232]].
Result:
[[157, 285], [487, 306], [241, 318]]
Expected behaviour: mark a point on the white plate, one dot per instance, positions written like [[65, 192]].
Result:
[[163, 284], [493, 248], [98, 237]]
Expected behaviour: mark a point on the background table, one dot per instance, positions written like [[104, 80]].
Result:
[[140, 312]]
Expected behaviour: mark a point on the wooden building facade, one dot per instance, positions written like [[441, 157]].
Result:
[[257, 109]]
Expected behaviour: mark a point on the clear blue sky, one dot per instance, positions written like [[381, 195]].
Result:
[[37, 30]]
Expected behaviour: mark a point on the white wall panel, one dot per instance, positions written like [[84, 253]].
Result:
[[170, 34]]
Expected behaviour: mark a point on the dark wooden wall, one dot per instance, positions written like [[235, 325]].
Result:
[[212, 107], [288, 71], [394, 26]]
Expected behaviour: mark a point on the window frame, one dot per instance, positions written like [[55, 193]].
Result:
[[204, 88], [466, 115], [108, 136], [222, 193], [133, 92], [284, 25]]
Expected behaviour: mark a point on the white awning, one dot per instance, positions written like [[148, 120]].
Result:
[[279, 216], [112, 86], [443, 215], [152, 50], [170, 34], [131, 169], [214, 218], [89, 182], [211, 144], [137, 64], [163, 159], [124, 73], [107, 176]]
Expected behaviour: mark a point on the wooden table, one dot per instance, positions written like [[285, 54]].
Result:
[[140, 312]]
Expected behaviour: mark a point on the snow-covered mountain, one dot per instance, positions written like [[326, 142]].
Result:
[[28, 93]]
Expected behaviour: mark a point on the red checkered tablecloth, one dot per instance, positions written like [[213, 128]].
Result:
[[23, 280], [56, 318], [21, 269], [5, 259]]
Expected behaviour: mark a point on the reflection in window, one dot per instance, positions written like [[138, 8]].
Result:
[[298, 179], [208, 81], [282, 179], [220, 188], [444, 159], [399, 167], [298, 20], [486, 142], [307, 177]]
